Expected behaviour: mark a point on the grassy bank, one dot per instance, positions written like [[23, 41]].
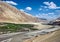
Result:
[[10, 27]]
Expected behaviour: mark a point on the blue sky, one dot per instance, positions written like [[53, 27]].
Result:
[[49, 9]]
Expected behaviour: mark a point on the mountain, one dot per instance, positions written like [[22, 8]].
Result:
[[11, 14], [55, 22], [58, 19]]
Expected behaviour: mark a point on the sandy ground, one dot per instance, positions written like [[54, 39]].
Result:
[[41, 26], [51, 37]]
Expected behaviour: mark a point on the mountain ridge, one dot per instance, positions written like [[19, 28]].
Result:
[[9, 13]]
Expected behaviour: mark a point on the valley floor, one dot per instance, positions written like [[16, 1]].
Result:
[[51, 37], [47, 34]]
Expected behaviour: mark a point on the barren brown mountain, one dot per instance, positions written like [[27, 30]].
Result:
[[9, 13]]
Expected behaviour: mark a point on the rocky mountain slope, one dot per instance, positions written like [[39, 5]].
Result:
[[9, 13]]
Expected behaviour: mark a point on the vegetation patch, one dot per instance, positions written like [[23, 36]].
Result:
[[11, 27]]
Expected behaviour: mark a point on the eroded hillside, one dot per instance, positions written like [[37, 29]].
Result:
[[9, 13]]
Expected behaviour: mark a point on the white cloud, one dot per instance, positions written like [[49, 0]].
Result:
[[46, 3], [51, 5], [48, 16], [22, 10], [41, 15], [45, 7], [11, 2], [28, 8], [51, 13], [40, 9]]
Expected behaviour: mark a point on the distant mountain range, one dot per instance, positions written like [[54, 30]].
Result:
[[58, 18], [9, 13], [55, 22]]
